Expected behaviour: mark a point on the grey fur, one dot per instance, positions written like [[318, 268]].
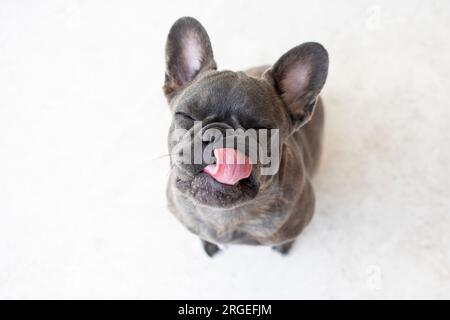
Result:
[[271, 210]]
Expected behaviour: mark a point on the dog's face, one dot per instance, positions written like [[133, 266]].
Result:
[[203, 99]]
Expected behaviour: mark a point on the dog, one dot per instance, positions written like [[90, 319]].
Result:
[[256, 209]]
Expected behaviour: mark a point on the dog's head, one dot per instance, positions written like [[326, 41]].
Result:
[[204, 100]]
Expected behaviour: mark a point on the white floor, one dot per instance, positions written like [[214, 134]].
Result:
[[83, 162]]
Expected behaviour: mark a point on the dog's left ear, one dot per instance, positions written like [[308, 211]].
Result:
[[188, 53], [298, 77]]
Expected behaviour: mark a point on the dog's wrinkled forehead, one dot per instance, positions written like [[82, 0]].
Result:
[[226, 94]]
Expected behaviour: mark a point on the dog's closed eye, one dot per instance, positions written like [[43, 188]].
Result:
[[184, 115]]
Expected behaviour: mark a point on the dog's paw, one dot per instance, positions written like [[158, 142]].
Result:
[[211, 249], [284, 248]]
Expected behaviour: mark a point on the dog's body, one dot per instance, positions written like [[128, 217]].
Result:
[[283, 204]]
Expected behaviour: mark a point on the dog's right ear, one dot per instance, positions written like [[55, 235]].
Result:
[[188, 53]]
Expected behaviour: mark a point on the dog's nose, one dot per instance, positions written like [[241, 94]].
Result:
[[208, 130]]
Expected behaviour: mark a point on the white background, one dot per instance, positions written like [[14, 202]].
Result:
[[83, 159]]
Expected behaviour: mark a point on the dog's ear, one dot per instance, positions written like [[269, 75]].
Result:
[[298, 77], [188, 52]]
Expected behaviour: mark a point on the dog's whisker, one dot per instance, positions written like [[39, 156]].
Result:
[[164, 156]]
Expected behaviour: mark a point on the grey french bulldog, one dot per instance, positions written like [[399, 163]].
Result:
[[270, 210]]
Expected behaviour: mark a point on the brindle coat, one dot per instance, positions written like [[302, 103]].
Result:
[[283, 96]]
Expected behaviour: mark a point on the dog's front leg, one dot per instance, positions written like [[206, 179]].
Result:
[[211, 249], [284, 248]]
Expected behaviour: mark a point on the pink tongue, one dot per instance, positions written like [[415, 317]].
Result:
[[230, 167]]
